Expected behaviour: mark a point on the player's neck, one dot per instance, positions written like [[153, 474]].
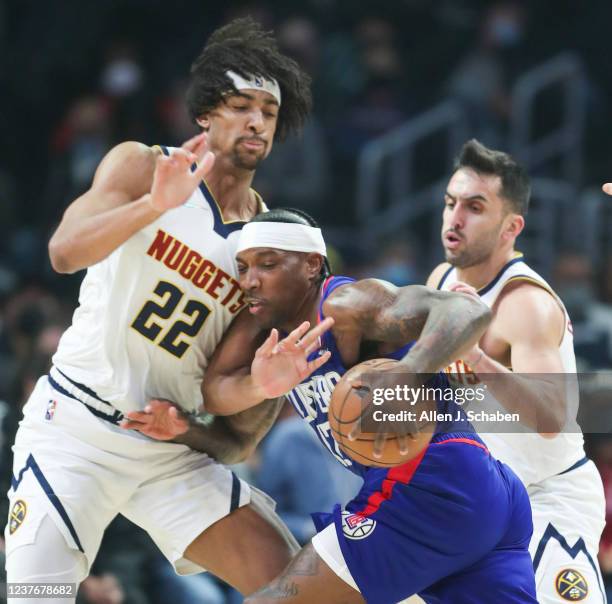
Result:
[[231, 189], [480, 275]]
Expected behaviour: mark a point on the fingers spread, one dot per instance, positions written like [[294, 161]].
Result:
[[319, 361], [205, 165], [267, 347], [297, 333]]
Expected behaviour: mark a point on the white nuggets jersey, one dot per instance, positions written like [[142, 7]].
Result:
[[531, 456], [151, 314]]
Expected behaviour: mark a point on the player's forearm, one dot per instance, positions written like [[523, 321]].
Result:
[[91, 239], [233, 438], [452, 327], [540, 403], [212, 435], [228, 395]]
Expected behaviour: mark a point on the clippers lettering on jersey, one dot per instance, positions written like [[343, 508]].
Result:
[[311, 400], [191, 265]]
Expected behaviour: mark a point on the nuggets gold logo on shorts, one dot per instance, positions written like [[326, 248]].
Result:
[[17, 516], [571, 585]]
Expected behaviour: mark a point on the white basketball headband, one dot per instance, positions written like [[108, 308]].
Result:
[[286, 236], [255, 83]]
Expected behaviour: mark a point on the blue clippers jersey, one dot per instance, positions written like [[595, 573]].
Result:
[[452, 525], [312, 397]]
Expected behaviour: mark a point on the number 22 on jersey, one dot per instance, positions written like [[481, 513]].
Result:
[[147, 321]]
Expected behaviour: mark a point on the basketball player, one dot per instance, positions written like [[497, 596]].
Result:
[[159, 292], [485, 203], [453, 524]]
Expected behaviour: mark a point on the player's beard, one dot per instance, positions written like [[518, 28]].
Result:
[[245, 160], [476, 253]]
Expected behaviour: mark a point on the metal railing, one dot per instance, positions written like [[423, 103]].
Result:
[[389, 199], [390, 159], [564, 142]]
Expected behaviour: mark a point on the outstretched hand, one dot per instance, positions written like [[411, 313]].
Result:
[[160, 419], [279, 366], [174, 181]]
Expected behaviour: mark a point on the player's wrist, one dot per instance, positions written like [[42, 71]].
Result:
[[153, 204], [257, 391], [474, 359]]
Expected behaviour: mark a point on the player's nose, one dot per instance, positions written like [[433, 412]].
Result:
[[457, 217], [256, 120], [249, 280]]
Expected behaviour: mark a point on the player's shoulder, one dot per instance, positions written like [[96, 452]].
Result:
[[528, 305], [527, 293], [129, 164], [436, 275], [353, 302], [134, 150]]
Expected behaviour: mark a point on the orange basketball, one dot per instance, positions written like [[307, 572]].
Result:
[[346, 408]]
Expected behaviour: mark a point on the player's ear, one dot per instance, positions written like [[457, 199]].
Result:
[[204, 122], [514, 226], [314, 263]]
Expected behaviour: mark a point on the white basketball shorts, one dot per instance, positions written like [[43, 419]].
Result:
[[82, 470]]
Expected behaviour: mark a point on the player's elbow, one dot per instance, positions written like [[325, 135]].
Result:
[[240, 451], [553, 421], [215, 402], [241, 454], [60, 257]]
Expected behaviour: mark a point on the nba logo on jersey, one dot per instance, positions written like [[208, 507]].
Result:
[[50, 410], [355, 526]]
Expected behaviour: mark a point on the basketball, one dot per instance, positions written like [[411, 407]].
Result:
[[346, 408]]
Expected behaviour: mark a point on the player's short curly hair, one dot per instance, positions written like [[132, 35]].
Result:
[[515, 185], [244, 47], [294, 216]]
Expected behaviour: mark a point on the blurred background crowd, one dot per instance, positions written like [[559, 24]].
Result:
[[398, 86]]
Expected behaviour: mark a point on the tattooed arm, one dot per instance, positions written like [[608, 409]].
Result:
[[232, 438], [306, 579], [444, 324]]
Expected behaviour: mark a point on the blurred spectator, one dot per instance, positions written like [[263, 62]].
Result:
[[122, 75], [380, 104], [482, 80], [396, 263], [164, 585], [296, 174], [591, 320], [80, 142], [103, 589], [176, 122]]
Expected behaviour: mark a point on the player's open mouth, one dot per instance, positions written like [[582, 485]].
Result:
[[255, 306], [452, 240]]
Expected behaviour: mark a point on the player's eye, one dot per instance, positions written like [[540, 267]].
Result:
[[269, 264], [241, 269]]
